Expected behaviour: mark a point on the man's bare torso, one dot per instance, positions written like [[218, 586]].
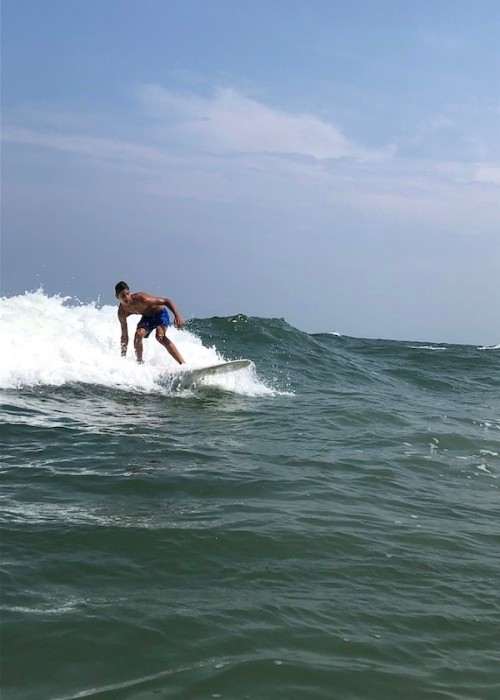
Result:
[[140, 303]]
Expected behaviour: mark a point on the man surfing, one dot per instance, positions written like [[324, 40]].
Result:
[[154, 315]]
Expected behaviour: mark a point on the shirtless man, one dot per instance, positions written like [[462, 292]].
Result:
[[154, 316]]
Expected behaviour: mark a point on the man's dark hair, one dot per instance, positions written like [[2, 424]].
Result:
[[120, 287]]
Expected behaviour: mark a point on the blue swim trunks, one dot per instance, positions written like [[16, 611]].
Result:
[[151, 322]]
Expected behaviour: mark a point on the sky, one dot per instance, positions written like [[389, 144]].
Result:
[[335, 163]]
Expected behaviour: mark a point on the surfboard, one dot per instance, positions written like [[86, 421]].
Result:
[[219, 368]]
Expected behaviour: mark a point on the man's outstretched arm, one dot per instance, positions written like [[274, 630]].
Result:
[[122, 317], [178, 320]]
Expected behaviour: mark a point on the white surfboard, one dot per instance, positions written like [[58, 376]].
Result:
[[219, 368]]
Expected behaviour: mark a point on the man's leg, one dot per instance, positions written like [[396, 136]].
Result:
[[139, 335], [168, 345]]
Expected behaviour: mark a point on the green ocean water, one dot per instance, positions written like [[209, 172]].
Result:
[[324, 526]]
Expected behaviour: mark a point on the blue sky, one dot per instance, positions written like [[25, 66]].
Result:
[[333, 163]]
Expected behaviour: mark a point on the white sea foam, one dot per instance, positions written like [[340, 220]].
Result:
[[51, 341], [426, 347], [489, 347]]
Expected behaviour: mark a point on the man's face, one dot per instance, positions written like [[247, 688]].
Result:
[[124, 297]]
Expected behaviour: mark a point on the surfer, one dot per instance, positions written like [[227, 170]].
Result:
[[154, 315]]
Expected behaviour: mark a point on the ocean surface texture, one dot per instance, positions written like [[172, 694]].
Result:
[[323, 525]]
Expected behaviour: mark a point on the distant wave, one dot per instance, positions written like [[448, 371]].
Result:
[[426, 347]]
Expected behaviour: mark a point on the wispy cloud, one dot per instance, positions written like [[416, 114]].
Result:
[[231, 121], [89, 146], [231, 147], [490, 174]]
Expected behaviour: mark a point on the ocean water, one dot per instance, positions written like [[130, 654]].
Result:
[[322, 525]]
